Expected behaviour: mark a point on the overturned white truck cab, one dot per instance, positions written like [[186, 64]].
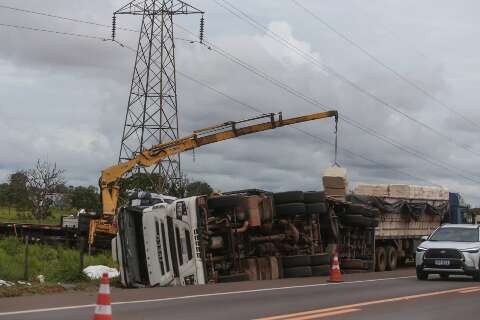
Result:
[[158, 245]]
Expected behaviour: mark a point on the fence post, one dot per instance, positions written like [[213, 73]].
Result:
[[82, 253], [25, 273]]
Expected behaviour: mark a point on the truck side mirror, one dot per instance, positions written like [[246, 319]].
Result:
[[424, 238]]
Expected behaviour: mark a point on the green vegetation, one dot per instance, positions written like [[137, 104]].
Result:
[[11, 214], [57, 264]]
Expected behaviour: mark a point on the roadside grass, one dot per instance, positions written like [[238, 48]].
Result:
[[9, 214], [56, 264]]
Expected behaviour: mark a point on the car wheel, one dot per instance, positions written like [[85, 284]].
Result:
[[476, 276], [444, 276], [381, 259], [422, 275], [391, 258]]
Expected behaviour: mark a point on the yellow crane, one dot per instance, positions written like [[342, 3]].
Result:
[[109, 180]]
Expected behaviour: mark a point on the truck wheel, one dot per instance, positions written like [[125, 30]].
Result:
[[296, 261], [321, 271], [314, 196], [391, 258], [288, 197], [422, 275], [316, 208], [290, 209], [381, 259], [322, 259], [296, 272]]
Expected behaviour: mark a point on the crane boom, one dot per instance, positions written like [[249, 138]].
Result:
[[228, 130]]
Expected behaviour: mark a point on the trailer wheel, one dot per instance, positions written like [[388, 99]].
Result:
[[392, 258], [316, 208], [321, 271], [381, 259], [290, 209], [322, 259], [314, 196], [296, 261], [288, 197], [296, 272]]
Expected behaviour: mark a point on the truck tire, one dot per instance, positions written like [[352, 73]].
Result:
[[290, 209], [314, 196], [224, 201], [321, 271], [288, 197], [380, 259], [296, 261], [322, 259], [359, 220], [234, 278], [476, 276], [297, 272], [392, 258], [316, 208]]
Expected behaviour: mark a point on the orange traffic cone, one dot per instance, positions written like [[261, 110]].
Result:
[[103, 310], [335, 274]]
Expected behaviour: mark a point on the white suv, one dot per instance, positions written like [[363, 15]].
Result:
[[451, 249]]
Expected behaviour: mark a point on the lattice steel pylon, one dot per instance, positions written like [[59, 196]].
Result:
[[152, 114]]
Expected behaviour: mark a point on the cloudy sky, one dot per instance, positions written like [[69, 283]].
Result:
[[406, 72]]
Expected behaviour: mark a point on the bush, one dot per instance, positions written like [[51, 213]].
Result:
[[57, 264]]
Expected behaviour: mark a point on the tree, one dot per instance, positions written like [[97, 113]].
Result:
[[17, 193], [4, 195], [42, 180], [197, 188], [85, 198]]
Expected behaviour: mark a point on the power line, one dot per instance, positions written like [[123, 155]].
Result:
[[80, 35], [65, 18], [317, 104], [384, 65], [245, 17], [249, 106]]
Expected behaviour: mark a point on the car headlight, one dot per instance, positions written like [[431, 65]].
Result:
[[421, 249], [471, 250]]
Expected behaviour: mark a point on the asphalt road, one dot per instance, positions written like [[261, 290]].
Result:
[[389, 295]]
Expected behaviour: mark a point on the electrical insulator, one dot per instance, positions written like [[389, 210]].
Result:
[[114, 26], [202, 28]]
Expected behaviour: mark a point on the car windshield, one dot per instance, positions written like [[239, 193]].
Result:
[[455, 234]]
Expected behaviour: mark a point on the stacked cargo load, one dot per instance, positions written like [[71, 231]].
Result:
[[335, 182]]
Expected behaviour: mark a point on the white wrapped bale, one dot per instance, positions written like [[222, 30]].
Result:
[[376, 190], [335, 182], [404, 191]]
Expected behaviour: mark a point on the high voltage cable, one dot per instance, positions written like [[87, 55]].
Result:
[[80, 35], [317, 104], [384, 65], [351, 153], [248, 67], [245, 17]]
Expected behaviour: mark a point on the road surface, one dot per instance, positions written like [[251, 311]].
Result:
[[388, 295]]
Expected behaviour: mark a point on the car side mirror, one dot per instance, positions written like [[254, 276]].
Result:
[[424, 238]]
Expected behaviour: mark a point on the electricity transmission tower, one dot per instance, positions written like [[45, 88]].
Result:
[[152, 114]]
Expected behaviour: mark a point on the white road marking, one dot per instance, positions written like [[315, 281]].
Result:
[[202, 295]]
